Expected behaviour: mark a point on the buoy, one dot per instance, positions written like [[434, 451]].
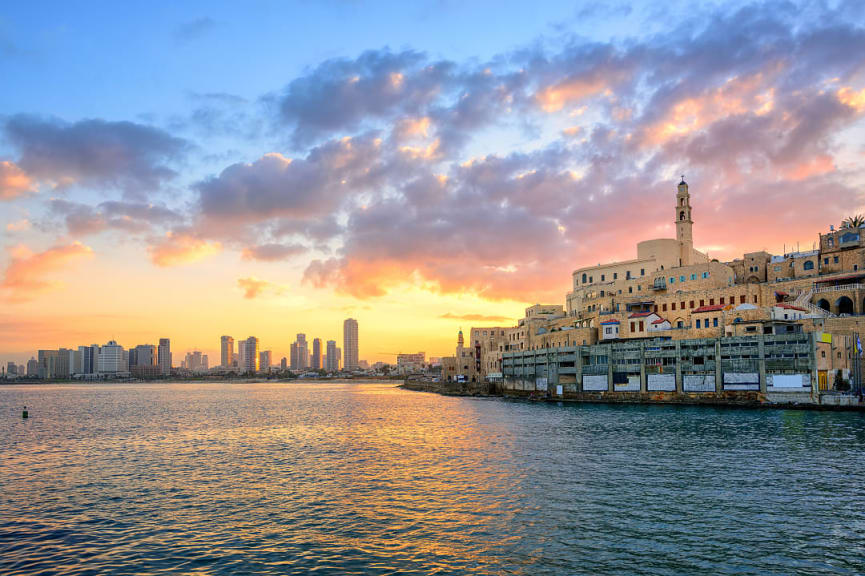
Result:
[[25, 414]]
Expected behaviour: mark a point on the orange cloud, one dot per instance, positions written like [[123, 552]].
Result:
[[182, 248], [14, 181], [554, 98], [252, 287], [18, 225], [28, 273], [851, 98], [736, 96]]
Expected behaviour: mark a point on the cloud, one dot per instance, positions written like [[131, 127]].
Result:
[[194, 29], [132, 217], [124, 155], [177, 248], [253, 287], [14, 182], [30, 274], [273, 252], [18, 225], [475, 317]]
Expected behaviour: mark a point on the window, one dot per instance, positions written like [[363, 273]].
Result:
[[823, 354], [603, 278], [591, 279], [722, 300], [584, 278], [642, 271], [691, 303], [632, 327], [809, 265], [693, 276], [825, 261], [715, 322], [755, 298], [683, 305], [642, 327], [630, 289], [672, 280], [702, 303], [711, 301], [665, 307], [706, 274], [674, 305], [681, 278], [835, 259], [831, 242], [698, 324], [742, 299], [777, 268], [639, 288], [680, 324], [628, 275]]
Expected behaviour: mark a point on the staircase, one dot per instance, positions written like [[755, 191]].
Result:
[[803, 300]]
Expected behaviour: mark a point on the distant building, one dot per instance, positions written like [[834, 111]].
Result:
[[143, 361], [283, 364], [113, 360], [195, 361], [11, 369], [164, 356], [410, 363], [32, 368], [315, 363], [300, 353], [226, 347], [250, 355], [332, 357], [264, 360], [350, 344]]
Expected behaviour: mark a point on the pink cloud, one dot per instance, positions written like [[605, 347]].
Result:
[[14, 182], [30, 274], [177, 248]]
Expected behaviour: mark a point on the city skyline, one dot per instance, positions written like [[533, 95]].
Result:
[[413, 180]]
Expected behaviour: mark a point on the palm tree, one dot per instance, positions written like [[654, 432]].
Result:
[[853, 221]]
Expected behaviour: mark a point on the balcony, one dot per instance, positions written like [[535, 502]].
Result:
[[659, 284]]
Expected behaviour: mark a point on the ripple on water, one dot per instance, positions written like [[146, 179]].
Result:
[[368, 479]]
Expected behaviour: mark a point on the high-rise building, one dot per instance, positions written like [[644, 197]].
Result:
[[264, 360], [11, 369], [143, 361], [164, 356], [332, 364], [250, 355], [195, 361], [32, 367], [226, 347], [113, 359], [350, 344], [283, 364], [300, 353], [316, 364], [85, 360]]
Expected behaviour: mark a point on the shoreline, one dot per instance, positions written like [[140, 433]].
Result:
[[36, 382], [746, 400]]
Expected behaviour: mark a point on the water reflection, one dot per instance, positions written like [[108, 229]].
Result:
[[367, 479]]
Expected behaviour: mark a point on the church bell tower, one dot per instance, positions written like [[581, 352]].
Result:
[[684, 224]]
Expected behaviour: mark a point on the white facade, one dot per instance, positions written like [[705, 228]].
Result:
[[113, 359], [350, 344]]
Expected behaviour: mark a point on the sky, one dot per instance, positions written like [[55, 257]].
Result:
[[193, 169]]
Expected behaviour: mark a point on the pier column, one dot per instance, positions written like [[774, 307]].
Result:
[[678, 366], [578, 367], [812, 362], [643, 385], [719, 383], [761, 355], [610, 371]]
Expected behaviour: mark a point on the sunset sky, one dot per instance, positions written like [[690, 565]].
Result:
[[193, 169]]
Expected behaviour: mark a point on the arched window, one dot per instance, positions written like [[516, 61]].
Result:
[[809, 265], [584, 278], [681, 215]]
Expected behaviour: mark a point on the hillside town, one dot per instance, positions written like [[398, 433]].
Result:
[[674, 320]]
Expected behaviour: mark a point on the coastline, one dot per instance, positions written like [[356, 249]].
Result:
[[748, 400]]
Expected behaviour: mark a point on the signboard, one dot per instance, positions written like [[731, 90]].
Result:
[[788, 381], [661, 383], [559, 390], [632, 385], [594, 383], [742, 381], [541, 384], [698, 382]]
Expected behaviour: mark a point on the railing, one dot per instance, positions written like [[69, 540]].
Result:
[[841, 288]]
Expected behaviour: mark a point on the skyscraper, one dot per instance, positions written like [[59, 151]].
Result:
[[264, 360], [332, 357], [316, 354], [250, 355], [300, 353], [226, 346], [350, 344], [164, 356]]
